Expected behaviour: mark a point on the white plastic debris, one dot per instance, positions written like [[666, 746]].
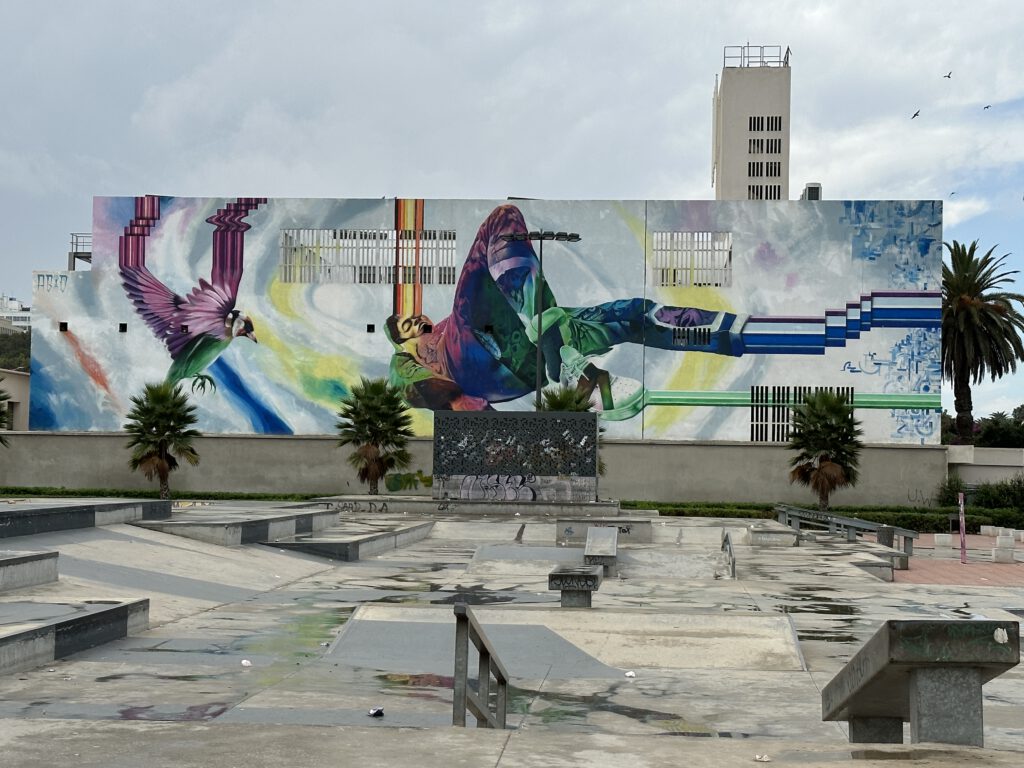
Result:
[[518, 514], [246, 663], [762, 758], [376, 712], [1000, 636], [324, 645], [631, 673]]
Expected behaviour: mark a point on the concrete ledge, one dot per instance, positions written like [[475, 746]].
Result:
[[426, 507], [772, 536], [26, 569], [35, 633], [573, 530], [29, 518], [926, 672], [229, 529], [351, 547]]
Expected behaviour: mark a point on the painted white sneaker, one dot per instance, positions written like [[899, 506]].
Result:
[[614, 397]]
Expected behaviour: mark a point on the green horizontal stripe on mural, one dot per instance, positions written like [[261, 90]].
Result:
[[911, 401]]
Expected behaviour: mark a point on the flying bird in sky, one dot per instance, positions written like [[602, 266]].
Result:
[[915, 114], [987, 106], [199, 326], [948, 75]]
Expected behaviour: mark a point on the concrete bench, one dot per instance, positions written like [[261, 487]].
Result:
[[927, 673], [602, 548], [576, 582]]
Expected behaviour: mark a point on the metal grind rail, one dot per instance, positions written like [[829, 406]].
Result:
[[794, 516], [478, 702]]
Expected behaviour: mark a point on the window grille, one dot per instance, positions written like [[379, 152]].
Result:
[[367, 256], [771, 410], [691, 259]]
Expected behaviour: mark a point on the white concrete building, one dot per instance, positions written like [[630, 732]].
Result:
[[750, 143], [15, 313]]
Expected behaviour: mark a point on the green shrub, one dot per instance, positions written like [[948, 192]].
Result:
[[1003, 494], [949, 489]]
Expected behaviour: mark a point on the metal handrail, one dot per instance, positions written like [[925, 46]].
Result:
[[730, 553], [478, 702], [787, 515]]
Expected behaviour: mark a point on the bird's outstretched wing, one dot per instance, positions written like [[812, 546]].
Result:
[[175, 320], [158, 305]]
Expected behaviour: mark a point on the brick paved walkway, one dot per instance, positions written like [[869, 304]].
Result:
[[978, 571]]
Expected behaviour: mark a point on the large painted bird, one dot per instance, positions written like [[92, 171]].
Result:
[[197, 327]]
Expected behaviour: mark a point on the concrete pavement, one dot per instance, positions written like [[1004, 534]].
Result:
[[724, 670]]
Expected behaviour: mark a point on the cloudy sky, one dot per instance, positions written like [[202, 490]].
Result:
[[481, 99]]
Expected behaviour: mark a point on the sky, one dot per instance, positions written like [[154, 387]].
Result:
[[584, 99]]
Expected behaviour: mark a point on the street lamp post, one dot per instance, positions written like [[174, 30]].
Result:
[[538, 299]]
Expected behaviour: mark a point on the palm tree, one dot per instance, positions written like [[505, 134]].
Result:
[[4, 397], [375, 420], [826, 438], [980, 326], [160, 424], [567, 398]]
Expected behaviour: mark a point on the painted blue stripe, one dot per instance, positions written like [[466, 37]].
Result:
[[782, 339], [784, 350]]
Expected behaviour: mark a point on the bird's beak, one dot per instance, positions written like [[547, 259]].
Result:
[[251, 335]]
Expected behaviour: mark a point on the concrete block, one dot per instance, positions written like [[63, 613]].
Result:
[[945, 706], [876, 730], [925, 672], [988, 530], [576, 582], [26, 569], [772, 537], [1000, 555], [569, 530], [1004, 542]]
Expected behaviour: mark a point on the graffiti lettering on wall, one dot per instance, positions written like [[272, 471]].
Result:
[[498, 487], [51, 281], [912, 365], [360, 507], [492, 487]]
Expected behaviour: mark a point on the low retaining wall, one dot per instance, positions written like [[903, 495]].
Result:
[[656, 471]]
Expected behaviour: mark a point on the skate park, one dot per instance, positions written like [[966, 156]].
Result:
[[179, 640]]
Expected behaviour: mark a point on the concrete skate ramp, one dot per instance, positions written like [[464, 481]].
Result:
[[561, 644]]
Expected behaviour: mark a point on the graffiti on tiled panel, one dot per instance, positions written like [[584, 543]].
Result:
[[912, 366], [515, 488], [907, 233]]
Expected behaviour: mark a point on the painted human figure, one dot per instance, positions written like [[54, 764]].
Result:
[[484, 352]]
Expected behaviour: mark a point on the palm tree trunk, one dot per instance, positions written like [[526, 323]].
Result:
[[374, 490], [165, 487], [823, 501], [964, 406]]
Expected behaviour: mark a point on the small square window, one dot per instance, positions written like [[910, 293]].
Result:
[[184, 329], [370, 328], [489, 329], [62, 326], [122, 327], [428, 329]]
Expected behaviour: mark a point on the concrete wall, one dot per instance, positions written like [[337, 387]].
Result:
[[745, 472], [656, 471], [16, 385], [985, 465]]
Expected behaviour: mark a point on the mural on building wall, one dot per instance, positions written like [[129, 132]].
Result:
[[663, 310]]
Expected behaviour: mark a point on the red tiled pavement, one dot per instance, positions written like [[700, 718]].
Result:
[[978, 571]]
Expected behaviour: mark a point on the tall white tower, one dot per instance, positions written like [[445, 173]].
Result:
[[750, 146]]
